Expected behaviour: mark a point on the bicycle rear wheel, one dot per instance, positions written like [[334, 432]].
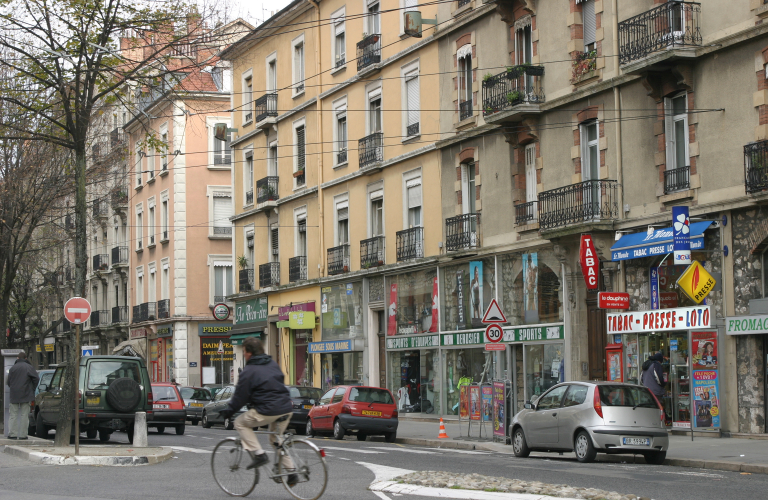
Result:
[[228, 464], [309, 467]]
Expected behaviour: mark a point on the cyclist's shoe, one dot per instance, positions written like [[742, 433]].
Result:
[[257, 460], [292, 480]]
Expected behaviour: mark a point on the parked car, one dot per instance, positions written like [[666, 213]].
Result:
[[303, 398], [220, 401], [195, 398], [169, 408], [45, 379], [357, 409], [214, 389], [592, 417], [114, 388]]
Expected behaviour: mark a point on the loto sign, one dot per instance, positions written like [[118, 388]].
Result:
[[613, 300], [589, 262], [682, 318]]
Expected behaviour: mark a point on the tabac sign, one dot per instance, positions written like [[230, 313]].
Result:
[[589, 261], [696, 282], [660, 320], [252, 311]]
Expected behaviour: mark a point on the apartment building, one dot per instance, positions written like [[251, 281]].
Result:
[[334, 155]]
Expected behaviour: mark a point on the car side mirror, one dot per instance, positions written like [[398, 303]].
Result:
[[42, 388], [529, 406]]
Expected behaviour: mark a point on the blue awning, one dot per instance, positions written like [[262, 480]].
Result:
[[639, 245]]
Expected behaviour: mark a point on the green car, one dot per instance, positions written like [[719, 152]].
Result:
[[113, 389]]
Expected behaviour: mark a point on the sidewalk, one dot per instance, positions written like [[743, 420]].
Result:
[[730, 454]]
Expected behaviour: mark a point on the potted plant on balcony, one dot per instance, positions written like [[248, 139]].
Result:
[[513, 72], [487, 80], [242, 262], [584, 66], [513, 97], [532, 70]]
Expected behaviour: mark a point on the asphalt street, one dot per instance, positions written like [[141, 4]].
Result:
[[352, 467]]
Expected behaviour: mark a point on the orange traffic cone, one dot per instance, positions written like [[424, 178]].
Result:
[[443, 434]]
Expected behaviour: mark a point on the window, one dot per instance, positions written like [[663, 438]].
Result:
[[274, 243], [272, 74], [469, 189], [551, 399], [339, 43], [407, 6], [248, 178], [576, 395], [165, 280], [164, 220], [272, 159], [523, 41], [341, 137], [151, 221], [247, 98], [151, 163], [530, 175], [589, 20], [326, 399], [374, 112], [412, 103], [464, 83], [676, 111], [342, 223], [140, 167], [222, 77], [413, 197], [221, 152], [621, 395], [374, 18], [102, 373], [222, 280], [139, 228], [298, 66], [590, 156], [339, 396], [140, 285], [222, 211], [377, 213], [152, 285], [249, 246], [301, 237], [163, 153], [301, 158]]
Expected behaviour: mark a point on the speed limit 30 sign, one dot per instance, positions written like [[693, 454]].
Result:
[[494, 333]]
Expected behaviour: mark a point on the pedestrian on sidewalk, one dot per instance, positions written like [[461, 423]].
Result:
[[653, 375], [22, 379]]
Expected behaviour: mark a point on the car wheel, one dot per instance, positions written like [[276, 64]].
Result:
[[206, 423], [194, 422], [104, 436], [390, 437], [180, 430], [91, 433], [160, 429], [361, 436], [655, 457], [308, 430], [583, 447], [229, 424], [519, 444], [129, 432], [41, 430], [338, 431]]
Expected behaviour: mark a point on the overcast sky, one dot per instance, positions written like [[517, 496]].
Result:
[[258, 11]]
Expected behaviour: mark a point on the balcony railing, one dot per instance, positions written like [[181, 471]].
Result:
[[465, 110], [462, 3], [116, 137], [341, 157], [100, 262], [119, 198], [338, 259], [297, 269], [669, 25], [249, 198], [413, 129], [517, 85], [370, 149], [145, 312], [756, 166], [368, 51], [222, 230], [372, 252], [219, 299], [269, 274], [99, 318], [462, 232], [266, 189], [341, 60], [136, 316], [265, 106], [677, 179], [246, 280], [410, 244], [588, 201], [119, 314], [525, 213], [164, 308], [99, 209]]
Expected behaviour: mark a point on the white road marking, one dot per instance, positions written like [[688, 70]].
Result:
[[406, 450], [203, 437], [342, 458], [383, 472], [381, 495], [353, 450], [191, 450], [467, 452]]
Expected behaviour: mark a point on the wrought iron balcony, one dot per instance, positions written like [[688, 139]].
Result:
[[370, 149], [119, 198], [99, 209], [100, 262], [756, 167], [269, 274], [136, 316], [672, 24], [413, 129], [297, 269], [678, 179], [588, 201], [462, 232], [372, 252], [99, 318], [245, 280], [249, 198], [341, 60], [116, 137], [145, 312], [462, 3], [465, 110], [219, 299], [517, 85], [410, 244], [164, 308], [368, 51], [119, 314], [119, 256], [525, 213], [266, 189], [265, 106], [338, 260], [341, 157]]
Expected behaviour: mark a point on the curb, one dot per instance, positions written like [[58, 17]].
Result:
[[48, 459], [26, 442], [427, 491]]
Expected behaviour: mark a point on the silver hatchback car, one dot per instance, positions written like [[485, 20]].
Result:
[[591, 417]]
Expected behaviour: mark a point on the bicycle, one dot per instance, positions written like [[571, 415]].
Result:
[[229, 461]]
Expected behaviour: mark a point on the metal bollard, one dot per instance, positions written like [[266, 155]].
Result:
[[140, 430]]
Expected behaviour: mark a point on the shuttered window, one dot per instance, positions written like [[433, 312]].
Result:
[[298, 60], [302, 238], [530, 173], [222, 211], [274, 243], [300, 149], [590, 24], [412, 91], [414, 202], [342, 216], [221, 151]]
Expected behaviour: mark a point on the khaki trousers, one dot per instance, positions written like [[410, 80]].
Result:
[[245, 423], [19, 420]]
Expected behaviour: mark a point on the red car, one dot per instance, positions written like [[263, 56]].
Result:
[[355, 409], [168, 408]]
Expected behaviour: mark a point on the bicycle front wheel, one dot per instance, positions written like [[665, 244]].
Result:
[[307, 475], [228, 464]]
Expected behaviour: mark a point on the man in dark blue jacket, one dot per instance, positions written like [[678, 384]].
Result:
[[653, 375], [261, 388]]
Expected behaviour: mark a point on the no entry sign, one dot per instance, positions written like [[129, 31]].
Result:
[[77, 310]]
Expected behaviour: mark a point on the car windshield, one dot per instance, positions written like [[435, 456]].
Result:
[[164, 393], [305, 392], [192, 393], [102, 373], [370, 395], [622, 395]]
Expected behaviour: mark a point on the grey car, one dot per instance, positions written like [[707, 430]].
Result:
[[211, 412], [195, 398], [592, 417]]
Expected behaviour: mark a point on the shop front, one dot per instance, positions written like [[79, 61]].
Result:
[[689, 347], [299, 320], [249, 320], [341, 361], [343, 332], [756, 326], [216, 353]]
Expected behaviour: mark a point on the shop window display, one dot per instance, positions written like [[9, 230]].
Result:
[[411, 296], [414, 380], [341, 368], [544, 368], [342, 311], [465, 367], [468, 289], [531, 288]]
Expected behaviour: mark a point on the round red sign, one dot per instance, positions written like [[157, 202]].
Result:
[[77, 310], [494, 333]]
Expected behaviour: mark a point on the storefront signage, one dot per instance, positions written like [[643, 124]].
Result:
[[612, 300], [166, 331], [252, 311], [413, 342], [510, 335], [589, 261], [48, 348], [462, 322], [682, 318], [696, 282], [221, 312], [681, 242], [495, 347], [301, 320], [746, 325], [706, 401], [655, 288], [392, 310], [330, 346], [659, 242], [214, 330], [283, 311], [138, 333]]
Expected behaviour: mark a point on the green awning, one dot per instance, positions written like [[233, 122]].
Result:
[[238, 338]]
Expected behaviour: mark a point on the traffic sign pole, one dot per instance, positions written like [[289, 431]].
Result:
[[77, 388]]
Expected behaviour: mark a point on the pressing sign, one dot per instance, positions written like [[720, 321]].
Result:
[[589, 261], [493, 314]]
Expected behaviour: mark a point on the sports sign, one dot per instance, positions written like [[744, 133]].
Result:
[[589, 261], [696, 282], [681, 239], [612, 300]]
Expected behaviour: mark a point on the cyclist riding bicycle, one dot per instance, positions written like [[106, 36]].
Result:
[[262, 389]]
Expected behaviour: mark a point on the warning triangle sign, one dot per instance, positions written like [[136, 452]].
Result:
[[493, 314]]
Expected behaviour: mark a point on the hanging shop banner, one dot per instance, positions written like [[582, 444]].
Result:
[[590, 264], [476, 293], [696, 282], [462, 321], [284, 311], [681, 240], [301, 320], [464, 401], [165, 331], [746, 325], [499, 411], [413, 342], [392, 311], [330, 346], [658, 242], [655, 300], [613, 300], [682, 318], [487, 394], [511, 335], [474, 402], [252, 311], [435, 307], [531, 287], [706, 401]]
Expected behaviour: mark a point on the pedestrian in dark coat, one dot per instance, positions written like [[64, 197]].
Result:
[[22, 379]]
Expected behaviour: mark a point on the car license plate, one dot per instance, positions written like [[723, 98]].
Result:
[[92, 401], [161, 407], [307, 407], [199, 405], [371, 413], [637, 441]]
